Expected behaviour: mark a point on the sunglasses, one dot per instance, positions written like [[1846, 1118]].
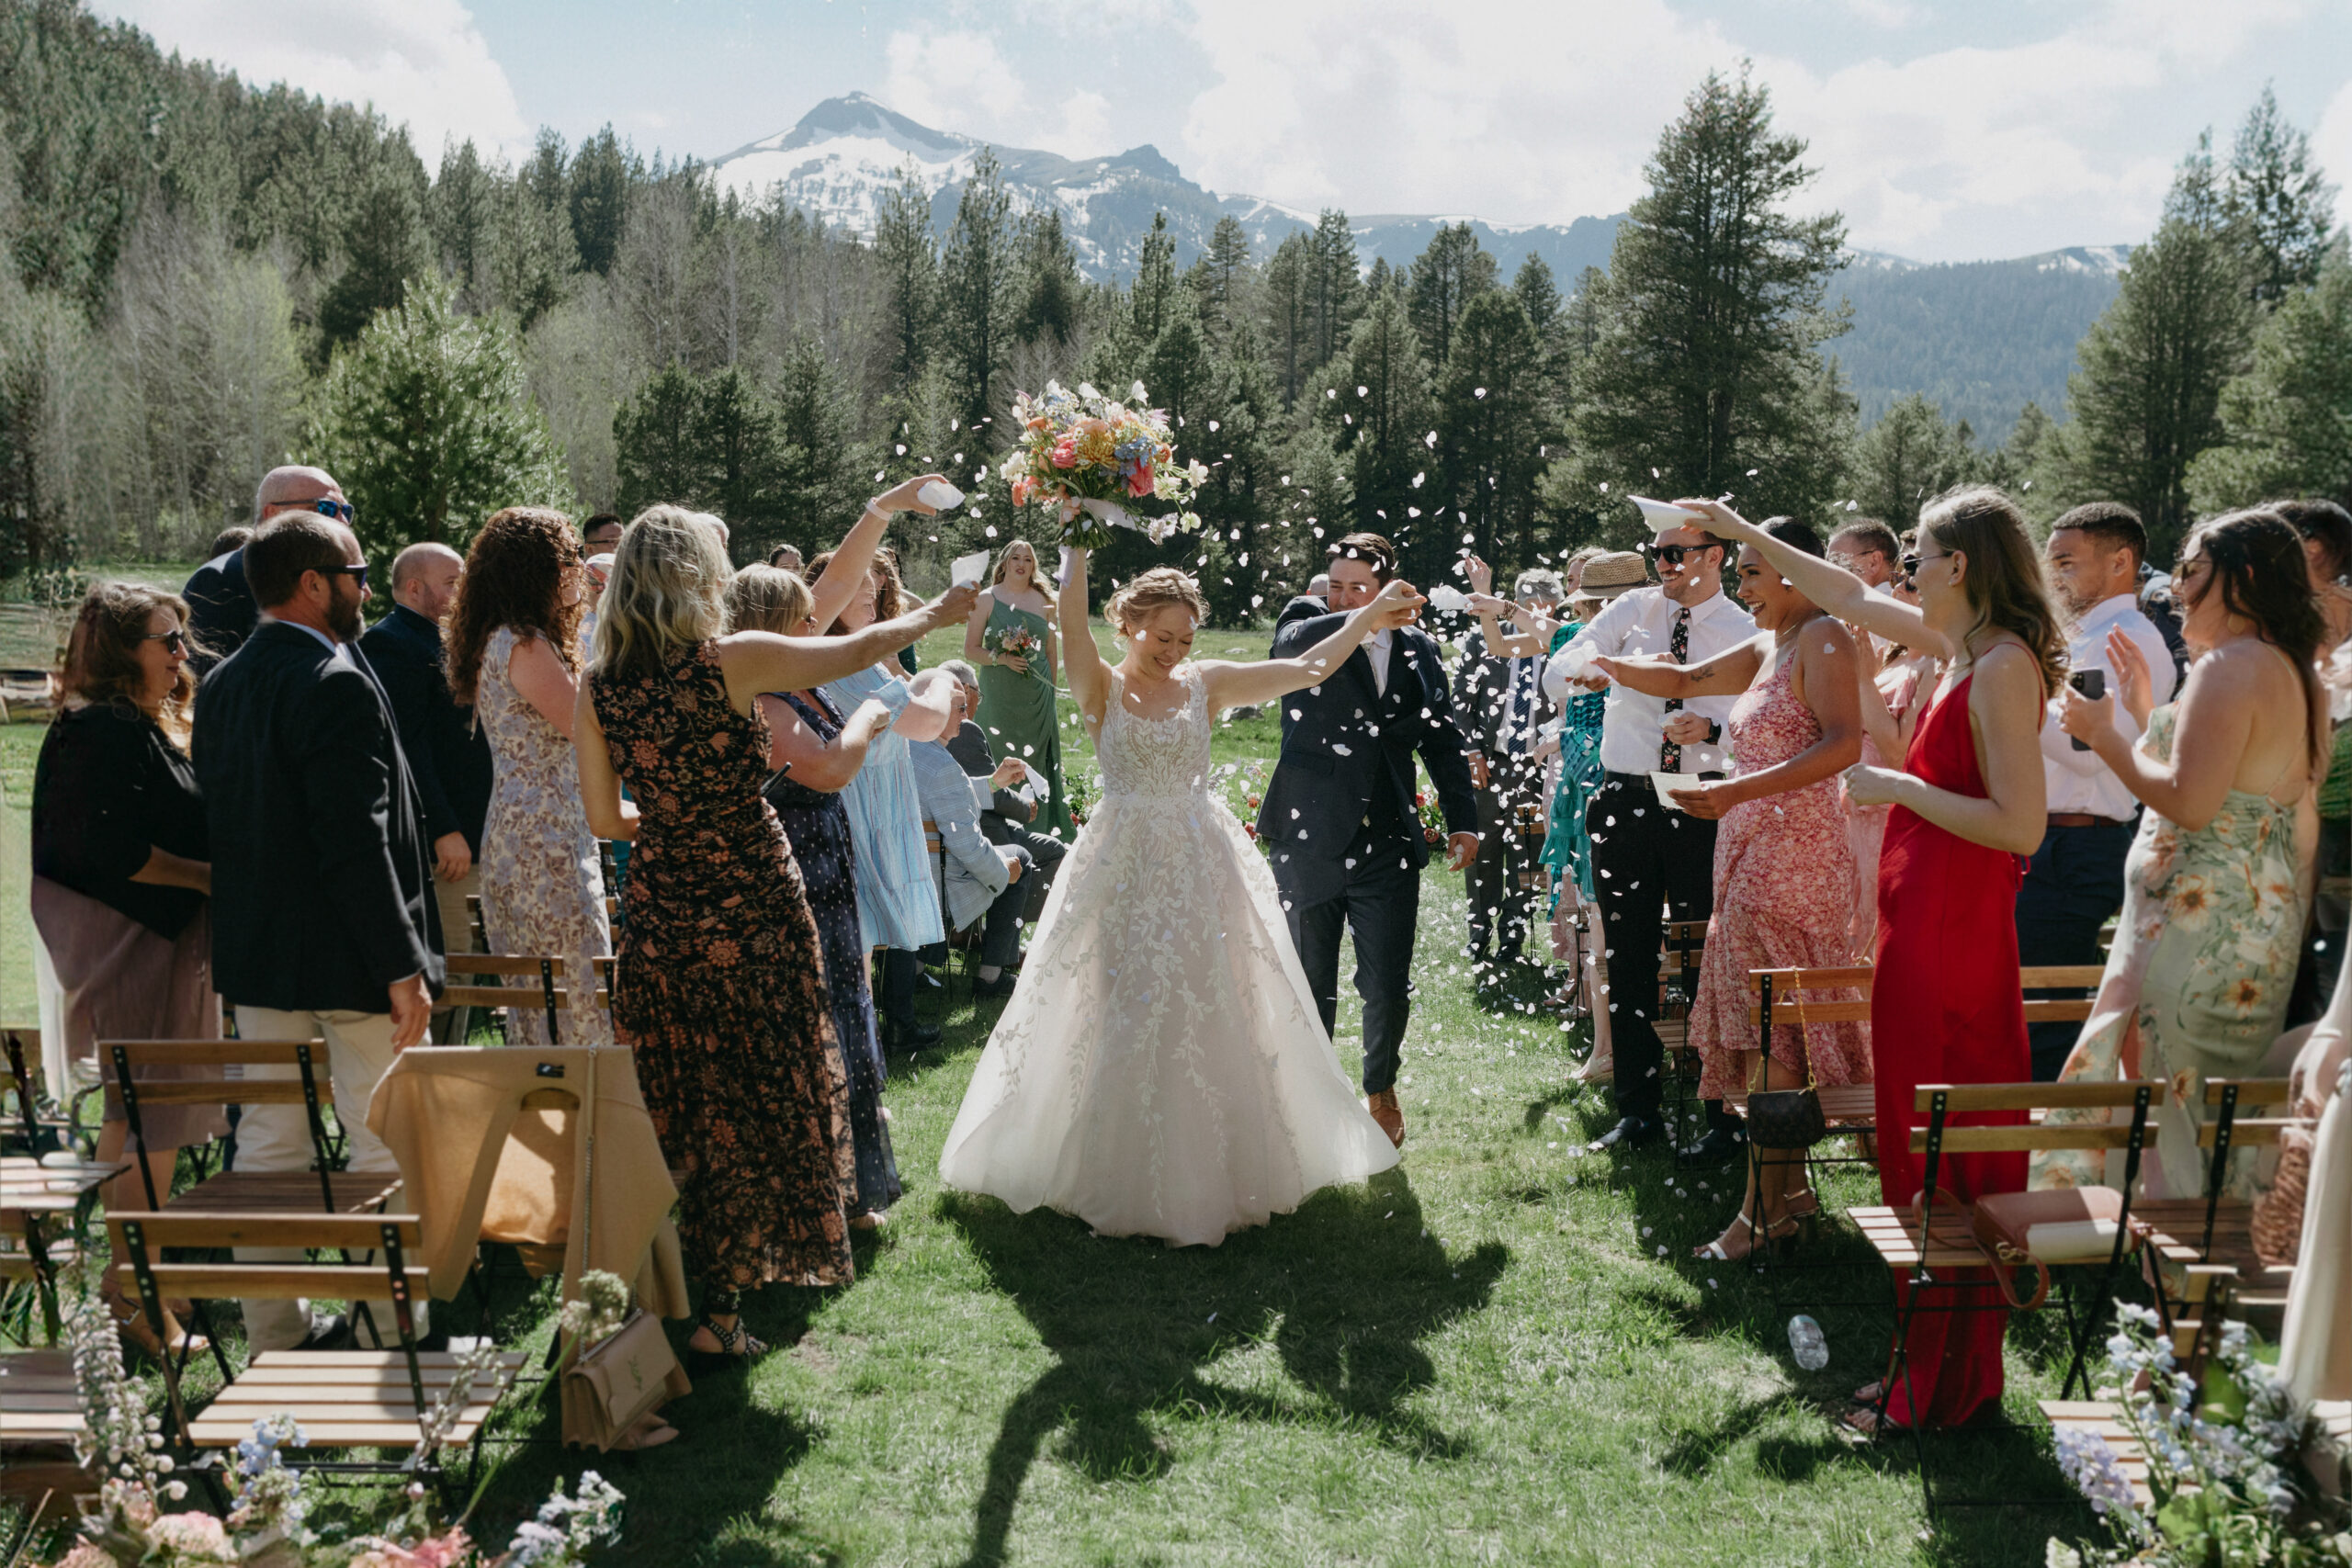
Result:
[[1672, 555], [175, 639], [324, 505], [358, 572], [1912, 563]]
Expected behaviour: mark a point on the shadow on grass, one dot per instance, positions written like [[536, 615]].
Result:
[[1345, 1291]]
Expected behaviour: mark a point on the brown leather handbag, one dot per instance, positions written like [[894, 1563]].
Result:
[[2067, 1224]]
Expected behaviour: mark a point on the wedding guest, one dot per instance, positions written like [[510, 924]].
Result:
[[981, 879], [324, 919], [220, 602], [1319, 586], [1499, 692], [1891, 705], [815, 752], [1785, 869], [1567, 852], [1025, 720], [1646, 859], [721, 983], [448, 753], [1867, 547], [515, 660], [1011, 814], [2196, 982], [122, 872], [601, 533], [858, 584], [2073, 885], [2325, 530], [1945, 1007], [786, 557]]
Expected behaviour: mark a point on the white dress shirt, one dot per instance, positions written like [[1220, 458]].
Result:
[[1634, 725], [1376, 648], [2078, 781]]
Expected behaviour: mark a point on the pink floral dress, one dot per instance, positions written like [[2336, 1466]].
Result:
[[1784, 899]]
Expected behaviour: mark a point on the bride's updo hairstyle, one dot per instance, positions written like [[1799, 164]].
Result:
[[1152, 591]]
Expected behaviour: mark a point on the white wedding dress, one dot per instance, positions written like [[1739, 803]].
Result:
[[1161, 1069]]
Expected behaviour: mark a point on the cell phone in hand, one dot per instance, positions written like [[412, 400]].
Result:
[[2092, 683]]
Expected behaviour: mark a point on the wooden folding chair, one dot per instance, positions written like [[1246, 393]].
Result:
[[1680, 945], [40, 1418], [2196, 1322], [36, 1125], [343, 1398], [2221, 1227], [500, 968]]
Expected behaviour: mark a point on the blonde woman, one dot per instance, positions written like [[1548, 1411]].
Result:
[[1017, 690]]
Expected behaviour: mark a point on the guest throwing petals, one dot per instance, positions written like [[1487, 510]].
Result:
[[720, 975]]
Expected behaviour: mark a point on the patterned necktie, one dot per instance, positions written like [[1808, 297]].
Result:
[[1669, 755], [1520, 709]]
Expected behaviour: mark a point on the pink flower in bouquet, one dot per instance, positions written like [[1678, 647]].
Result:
[[195, 1538], [1065, 453], [1022, 489], [1140, 482]]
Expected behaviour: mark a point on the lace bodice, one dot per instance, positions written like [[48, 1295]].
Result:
[[1156, 756]]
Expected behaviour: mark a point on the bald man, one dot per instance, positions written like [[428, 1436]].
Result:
[[221, 611], [448, 754]]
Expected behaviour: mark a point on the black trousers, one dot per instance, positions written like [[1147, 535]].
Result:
[[1500, 908], [2072, 886], [1647, 860], [1379, 906]]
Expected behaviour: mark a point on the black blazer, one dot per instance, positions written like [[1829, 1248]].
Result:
[[221, 610], [1348, 756], [446, 751], [109, 791], [322, 879]]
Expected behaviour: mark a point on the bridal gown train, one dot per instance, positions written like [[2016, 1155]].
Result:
[[1161, 1069]]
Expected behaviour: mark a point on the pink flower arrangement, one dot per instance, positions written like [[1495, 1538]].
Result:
[[1088, 457]]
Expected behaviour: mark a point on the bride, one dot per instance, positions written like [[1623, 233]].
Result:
[[1161, 1069]]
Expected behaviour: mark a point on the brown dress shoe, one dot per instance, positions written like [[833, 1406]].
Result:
[[1391, 1117]]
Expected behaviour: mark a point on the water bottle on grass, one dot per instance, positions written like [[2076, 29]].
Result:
[[1806, 1344]]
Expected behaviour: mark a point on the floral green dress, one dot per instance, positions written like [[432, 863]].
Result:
[[2203, 960]]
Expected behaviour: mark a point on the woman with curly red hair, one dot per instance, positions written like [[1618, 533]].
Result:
[[514, 650]]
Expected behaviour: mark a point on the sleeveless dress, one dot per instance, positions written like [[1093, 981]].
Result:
[[721, 983], [898, 903], [1784, 898], [1161, 1068], [2204, 959], [1946, 1007], [541, 888], [1866, 825], [817, 824], [1566, 850], [1022, 717]]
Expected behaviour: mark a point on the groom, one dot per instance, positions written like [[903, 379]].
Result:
[[1339, 814]]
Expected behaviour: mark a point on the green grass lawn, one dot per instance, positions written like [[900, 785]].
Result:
[[1500, 1352]]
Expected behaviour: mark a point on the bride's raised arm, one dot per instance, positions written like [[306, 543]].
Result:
[[1235, 685], [1088, 677]]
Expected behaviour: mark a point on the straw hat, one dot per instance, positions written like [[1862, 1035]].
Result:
[[1607, 576]]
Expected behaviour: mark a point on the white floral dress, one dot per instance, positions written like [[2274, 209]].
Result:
[[2203, 960], [542, 890], [1161, 1069]]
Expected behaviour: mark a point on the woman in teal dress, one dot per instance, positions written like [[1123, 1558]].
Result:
[[1017, 696]]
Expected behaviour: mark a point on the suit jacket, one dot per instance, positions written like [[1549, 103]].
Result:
[[448, 752], [1007, 814], [1482, 697], [1348, 756], [975, 872], [221, 610], [321, 877]]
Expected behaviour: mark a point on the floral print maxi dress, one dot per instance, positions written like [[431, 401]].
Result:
[[1784, 899], [721, 983], [542, 891], [2197, 983]]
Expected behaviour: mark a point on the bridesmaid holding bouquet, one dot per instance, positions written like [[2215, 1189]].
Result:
[[1010, 639]]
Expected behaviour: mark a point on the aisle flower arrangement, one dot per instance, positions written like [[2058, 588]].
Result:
[[1084, 459], [2223, 1462]]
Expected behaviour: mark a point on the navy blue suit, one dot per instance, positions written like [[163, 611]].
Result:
[[221, 610], [1339, 822]]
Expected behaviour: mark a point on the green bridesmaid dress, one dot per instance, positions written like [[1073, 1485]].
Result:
[[1018, 713]]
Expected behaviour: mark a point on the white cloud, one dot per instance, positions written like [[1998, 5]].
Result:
[[959, 80], [2332, 145], [421, 63]]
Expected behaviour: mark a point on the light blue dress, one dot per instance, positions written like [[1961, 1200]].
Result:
[[898, 903]]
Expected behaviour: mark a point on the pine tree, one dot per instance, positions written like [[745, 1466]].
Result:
[[1228, 281], [1452, 272], [2287, 422], [462, 211], [820, 487], [908, 263], [738, 439], [1048, 278], [386, 244], [425, 420], [655, 439], [535, 253], [1705, 367], [601, 176], [1489, 397], [1284, 293], [1153, 297], [1179, 370], [1335, 292], [976, 297], [2277, 203], [1907, 458], [2144, 398], [1375, 409]]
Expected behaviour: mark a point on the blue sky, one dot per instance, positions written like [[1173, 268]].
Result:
[[1943, 131]]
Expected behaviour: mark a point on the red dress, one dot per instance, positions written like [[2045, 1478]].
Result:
[[1946, 1007]]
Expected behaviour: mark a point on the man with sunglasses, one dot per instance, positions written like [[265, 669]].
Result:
[[221, 611], [1647, 858]]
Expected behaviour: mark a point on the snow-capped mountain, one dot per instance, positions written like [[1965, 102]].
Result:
[[836, 163]]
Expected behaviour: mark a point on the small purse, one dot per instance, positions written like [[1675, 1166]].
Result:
[[1788, 1118], [2068, 1224], [2277, 1217], [617, 1383]]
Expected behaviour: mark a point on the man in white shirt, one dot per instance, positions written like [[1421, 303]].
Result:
[[2076, 879], [1647, 858], [1868, 548]]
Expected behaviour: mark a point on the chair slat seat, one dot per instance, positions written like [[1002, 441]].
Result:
[[349, 1398], [1894, 1237], [291, 1192]]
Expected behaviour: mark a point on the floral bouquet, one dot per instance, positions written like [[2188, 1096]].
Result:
[[1017, 642], [1086, 456]]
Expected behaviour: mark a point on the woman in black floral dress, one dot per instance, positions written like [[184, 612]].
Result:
[[816, 752], [719, 978]]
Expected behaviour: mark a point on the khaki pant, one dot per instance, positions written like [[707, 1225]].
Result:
[[450, 1025], [277, 1137]]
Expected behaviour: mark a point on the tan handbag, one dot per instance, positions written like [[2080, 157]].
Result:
[[2071, 1224], [617, 1383], [2277, 1217]]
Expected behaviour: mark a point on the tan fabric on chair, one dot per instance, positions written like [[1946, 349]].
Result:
[[479, 1167]]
